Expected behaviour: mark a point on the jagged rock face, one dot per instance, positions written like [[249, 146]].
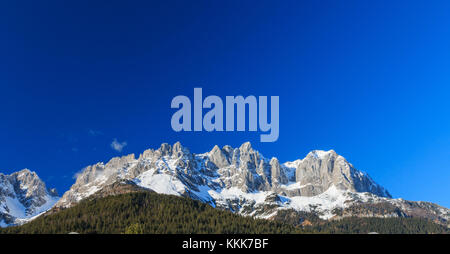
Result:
[[278, 176], [241, 180], [23, 195], [219, 157], [320, 170]]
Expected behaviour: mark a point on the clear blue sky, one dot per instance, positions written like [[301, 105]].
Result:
[[371, 81]]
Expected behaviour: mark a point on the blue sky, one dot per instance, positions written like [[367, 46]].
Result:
[[371, 81]]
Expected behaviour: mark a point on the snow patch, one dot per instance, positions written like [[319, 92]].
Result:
[[161, 183], [16, 209], [323, 203]]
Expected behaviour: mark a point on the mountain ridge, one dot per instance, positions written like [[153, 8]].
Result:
[[243, 181]]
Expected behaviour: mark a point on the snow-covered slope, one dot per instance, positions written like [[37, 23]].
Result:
[[23, 196], [243, 181]]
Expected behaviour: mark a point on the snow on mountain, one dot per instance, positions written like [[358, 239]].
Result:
[[23, 196], [245, 182]]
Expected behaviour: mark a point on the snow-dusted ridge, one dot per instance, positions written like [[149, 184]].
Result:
[[243, 181]]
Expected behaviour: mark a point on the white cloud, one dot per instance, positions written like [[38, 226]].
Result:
[[77, 174], [94, 132], [118, 146]]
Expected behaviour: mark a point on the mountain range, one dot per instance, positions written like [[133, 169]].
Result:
[[240, 180]]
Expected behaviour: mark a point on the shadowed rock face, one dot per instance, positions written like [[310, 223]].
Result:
[[22, 195]]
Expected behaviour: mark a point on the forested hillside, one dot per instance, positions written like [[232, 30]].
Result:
[[146, 212]]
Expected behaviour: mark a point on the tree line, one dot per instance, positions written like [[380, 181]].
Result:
[[152, 213]]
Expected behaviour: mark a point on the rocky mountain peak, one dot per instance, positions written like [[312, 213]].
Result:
[[221, 158], [23, 195], [321, 154], [175, 151], [322, 169], [147, 154], [164, 150], [246, 147], [247, 158], [179, 151]]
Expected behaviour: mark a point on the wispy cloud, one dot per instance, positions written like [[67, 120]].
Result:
[[94, 132], [77, 174], [118, 146]]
